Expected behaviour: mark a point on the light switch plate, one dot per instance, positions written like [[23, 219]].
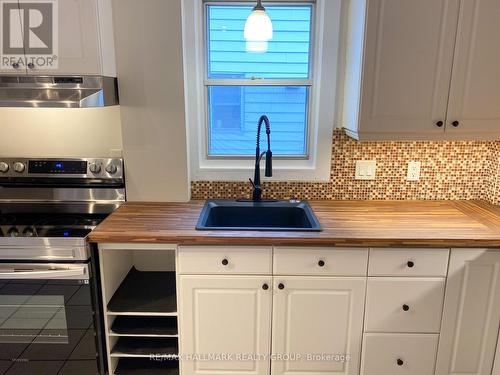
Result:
[[366, 169], [413, 171]]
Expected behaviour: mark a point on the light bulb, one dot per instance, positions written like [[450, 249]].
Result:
[[258, 30]]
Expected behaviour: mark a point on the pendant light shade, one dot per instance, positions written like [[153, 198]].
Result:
[[258, 29]]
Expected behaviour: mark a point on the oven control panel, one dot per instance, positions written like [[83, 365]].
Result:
[[83, 168], [57, 167]]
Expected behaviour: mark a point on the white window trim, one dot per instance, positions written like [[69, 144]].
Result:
[[323, 98]]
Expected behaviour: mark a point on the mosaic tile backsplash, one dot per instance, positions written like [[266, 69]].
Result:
[[450, 170]]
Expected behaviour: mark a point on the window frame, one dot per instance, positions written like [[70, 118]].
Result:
[[315, 164], [308, 83]]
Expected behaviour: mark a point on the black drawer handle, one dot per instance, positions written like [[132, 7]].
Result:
[[406, 308], [400, 362], [410, 264], [281, 286], [265, 287], [455, 124], [225, 262], [439, 124], [321, 263]]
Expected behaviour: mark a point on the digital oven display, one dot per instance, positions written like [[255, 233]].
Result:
[[57, 167]]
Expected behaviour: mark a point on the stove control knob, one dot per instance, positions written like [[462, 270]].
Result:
[[95, 168], [4, 167], [111, 168], [19, 167], [13, 232]]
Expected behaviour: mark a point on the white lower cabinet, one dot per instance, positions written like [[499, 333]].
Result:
[[471, 314], [224, 317], [318, 321], [395, 354], [326, 315], [404, 304]]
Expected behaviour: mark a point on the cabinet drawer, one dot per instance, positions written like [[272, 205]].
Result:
[[396, 354], [225, 260], [408, 262], [404, 305], [320, 261]]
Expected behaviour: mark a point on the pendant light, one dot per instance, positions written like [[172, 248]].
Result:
[[258, 29]]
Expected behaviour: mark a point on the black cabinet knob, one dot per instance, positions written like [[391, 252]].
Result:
[[225, 262], [439, 124], [321, 263], [406, 307], [265, 287], [31, 66], [410, 264], [455, 124], [400, 362], [15, 65], [281, 286]]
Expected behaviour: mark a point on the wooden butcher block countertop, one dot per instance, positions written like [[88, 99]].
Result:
[[345, 223]]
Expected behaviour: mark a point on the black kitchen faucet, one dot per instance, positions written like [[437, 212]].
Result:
[[257, 189]]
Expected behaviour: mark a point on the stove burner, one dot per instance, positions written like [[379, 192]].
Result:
[[29, 232]]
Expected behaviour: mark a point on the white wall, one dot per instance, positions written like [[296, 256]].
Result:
[[61, 132], [150, 75]]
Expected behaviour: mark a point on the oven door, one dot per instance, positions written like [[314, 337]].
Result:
[[46, 320]]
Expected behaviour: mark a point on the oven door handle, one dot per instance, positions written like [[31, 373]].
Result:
[[49, 273]]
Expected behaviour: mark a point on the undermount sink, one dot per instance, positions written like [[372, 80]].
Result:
[[264, 215]]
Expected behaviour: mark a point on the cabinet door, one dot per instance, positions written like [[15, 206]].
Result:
[[407, 68], [320, 316], [225, 316], [496, 365], [12, 53], [78, 37], [475, 89], [471, 313]]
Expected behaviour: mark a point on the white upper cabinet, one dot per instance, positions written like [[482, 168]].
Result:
[[496, 365], [471, 313], [474, 105], [84, 38], [412, 73]]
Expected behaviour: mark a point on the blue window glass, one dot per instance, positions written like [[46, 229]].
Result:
[[288, 53], [233, 111]]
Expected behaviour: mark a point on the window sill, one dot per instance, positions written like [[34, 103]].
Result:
[[242, 170]]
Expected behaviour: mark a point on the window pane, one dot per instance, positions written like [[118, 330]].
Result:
[[288, 53], [234, 111]]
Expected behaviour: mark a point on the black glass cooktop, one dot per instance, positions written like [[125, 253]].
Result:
[[48, 224]]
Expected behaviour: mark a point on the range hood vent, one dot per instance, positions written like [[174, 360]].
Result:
[[58, 91]]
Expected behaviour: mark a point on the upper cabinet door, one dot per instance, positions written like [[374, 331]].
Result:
[[78, 40], [407, 68], [12, 54], [469, 329], [475, 86], [317, 315], [496, 365], [225, 315]]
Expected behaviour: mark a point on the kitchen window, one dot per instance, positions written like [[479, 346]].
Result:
[[228, 89], [241, 86]]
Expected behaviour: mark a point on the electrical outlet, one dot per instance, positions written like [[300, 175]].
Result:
[[413, 171], [366, 169]]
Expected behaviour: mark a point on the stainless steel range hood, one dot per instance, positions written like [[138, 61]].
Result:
[[58, 91]]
